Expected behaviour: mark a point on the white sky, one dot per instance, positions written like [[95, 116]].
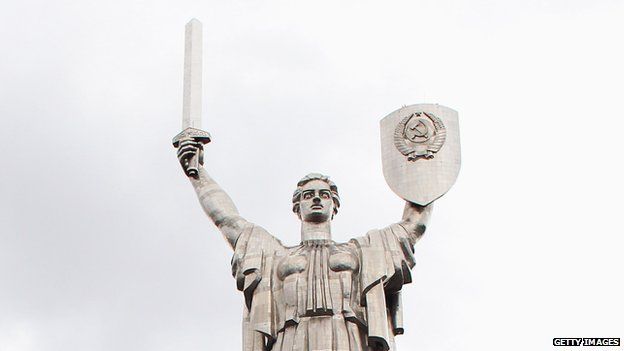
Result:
[[103, 245]]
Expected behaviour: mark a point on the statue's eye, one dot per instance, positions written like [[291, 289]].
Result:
[[308, 195], [325, 195]]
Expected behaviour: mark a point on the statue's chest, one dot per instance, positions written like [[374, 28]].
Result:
[[316, 277]]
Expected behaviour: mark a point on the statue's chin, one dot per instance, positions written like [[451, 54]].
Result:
[[316, 218]]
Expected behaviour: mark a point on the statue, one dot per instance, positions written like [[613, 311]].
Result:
[[320, 295]]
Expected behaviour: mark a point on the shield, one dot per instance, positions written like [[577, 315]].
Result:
[[420, 151]]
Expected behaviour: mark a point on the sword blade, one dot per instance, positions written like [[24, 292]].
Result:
[[192, 100]]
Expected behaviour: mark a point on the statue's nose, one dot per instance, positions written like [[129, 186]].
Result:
[[316, 200]]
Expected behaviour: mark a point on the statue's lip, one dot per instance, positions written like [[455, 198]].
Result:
[[317, 207]]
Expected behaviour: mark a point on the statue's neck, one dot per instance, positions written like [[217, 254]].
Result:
[[315, 231]]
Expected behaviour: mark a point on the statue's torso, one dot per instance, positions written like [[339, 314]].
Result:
[[322, 295], [316, 278]]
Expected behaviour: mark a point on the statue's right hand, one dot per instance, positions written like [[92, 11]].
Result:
[[187, 149]]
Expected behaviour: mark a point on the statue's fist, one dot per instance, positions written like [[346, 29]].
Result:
[[190, 155]]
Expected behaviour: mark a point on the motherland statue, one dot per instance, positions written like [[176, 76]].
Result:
[[320, 294]]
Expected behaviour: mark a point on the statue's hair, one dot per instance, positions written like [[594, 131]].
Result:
[[308, 178]]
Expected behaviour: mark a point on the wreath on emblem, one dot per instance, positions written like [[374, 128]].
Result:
[[419, 135]]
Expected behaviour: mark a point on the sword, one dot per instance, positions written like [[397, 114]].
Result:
[[192, 105]]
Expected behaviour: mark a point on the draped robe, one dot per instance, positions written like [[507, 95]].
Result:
[[321, 295]]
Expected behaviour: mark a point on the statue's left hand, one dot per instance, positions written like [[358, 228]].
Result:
[[415, 218]]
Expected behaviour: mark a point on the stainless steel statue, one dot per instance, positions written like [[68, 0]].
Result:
[[323, 295]]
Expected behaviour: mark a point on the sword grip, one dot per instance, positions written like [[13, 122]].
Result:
[[192, 169], [193, 163]]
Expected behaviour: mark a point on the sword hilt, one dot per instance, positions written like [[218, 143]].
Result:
[[191, 165]]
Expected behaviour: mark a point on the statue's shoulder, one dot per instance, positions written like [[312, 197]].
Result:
[[381, 238], [255, 237]]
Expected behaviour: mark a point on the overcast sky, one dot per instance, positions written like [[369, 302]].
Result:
[[103, 245]]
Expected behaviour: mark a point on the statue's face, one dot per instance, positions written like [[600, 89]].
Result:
[[316, 204]]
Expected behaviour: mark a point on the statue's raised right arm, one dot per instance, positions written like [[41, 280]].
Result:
[[214, 200]]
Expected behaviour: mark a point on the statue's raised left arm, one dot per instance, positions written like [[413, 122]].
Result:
[[415, 219]]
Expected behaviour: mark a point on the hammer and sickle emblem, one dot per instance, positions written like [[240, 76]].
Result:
[[420, 130]]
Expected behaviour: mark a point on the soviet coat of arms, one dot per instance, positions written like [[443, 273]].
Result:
[[420, 134]]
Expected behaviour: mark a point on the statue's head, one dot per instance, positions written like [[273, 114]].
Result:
[[316, 198]]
